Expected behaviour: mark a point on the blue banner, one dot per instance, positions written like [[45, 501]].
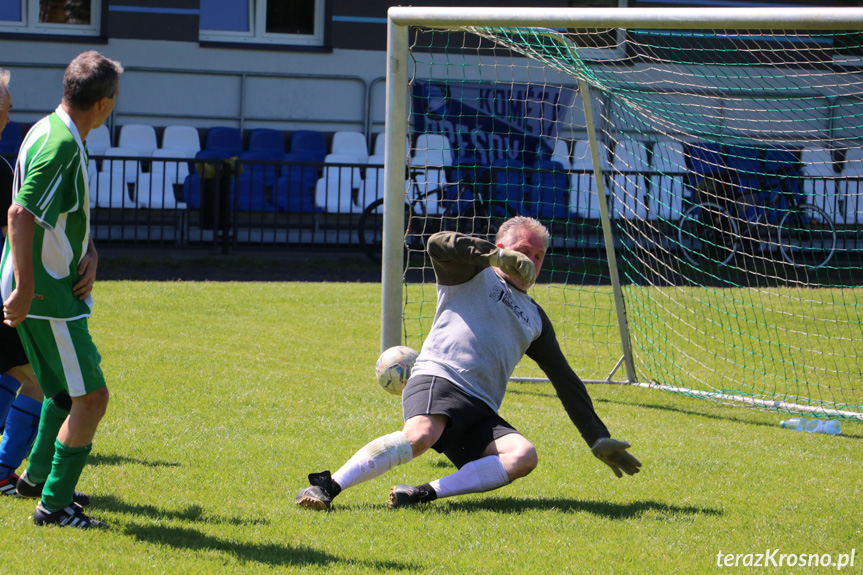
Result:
[[489, 121]]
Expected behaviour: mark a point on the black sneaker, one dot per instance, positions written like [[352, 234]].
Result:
[[405, 495], [30, 490], [7, 486], [72, 516], [321, 493]]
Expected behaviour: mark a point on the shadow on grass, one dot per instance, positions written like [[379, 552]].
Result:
[[105, 459], [278, 555], [191, 513], [602, 508]]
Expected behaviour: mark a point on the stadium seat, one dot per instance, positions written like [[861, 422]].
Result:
[[226, 142], [705, 158], [379, 148], [138, 137], [628, 182], [294, 189], [109, 188], [182, 138], [350, 144], [334, 190], [819, 181], [155, 189], [851, 187], [746, 160], [507, 185], [270, 143], [127, 168], [98, 141], [431, 155], [253, 193], [549, 197], [309, 142], [584, 200]]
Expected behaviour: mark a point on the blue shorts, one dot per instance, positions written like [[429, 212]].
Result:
[[471, 424], [63, 356]]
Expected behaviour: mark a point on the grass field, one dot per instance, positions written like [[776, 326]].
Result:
[[225, 395]]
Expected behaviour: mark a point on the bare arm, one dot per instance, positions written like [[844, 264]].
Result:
[[86, 272], [22, 225]]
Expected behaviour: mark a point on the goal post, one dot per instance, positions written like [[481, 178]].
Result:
[[700, 171]]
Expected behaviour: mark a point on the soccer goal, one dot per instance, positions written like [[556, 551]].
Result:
[[700, 172]]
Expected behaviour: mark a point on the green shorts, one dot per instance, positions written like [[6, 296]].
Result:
[[63, 356]]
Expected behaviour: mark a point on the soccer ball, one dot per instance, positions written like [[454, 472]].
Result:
[[394, 368]]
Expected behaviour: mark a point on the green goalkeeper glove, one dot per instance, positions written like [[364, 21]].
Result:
[[614, 454], [514, 264]]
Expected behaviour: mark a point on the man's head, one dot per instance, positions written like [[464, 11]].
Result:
[[527, 236], [5, 98], [91, 84]]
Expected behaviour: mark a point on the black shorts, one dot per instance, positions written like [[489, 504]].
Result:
[[11, 351], [471, 424]]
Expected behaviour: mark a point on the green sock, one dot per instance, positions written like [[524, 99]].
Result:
[[60, 485], [42, 455]]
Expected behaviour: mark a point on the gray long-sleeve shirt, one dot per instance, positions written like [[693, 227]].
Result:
[[482, 328]]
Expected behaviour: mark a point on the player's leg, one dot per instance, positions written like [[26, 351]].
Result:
[[421, 431], [371, 461], [22, 425], [488, 452], [63, 354]]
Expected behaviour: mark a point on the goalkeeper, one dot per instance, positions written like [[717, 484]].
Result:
[[485, 322]]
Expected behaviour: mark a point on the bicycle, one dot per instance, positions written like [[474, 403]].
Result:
[[714, 229], [462, 205]]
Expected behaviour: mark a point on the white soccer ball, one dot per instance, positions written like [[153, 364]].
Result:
[[394, 368]]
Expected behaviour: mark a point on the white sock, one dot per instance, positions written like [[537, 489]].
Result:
[[375, 459], [475, 477]]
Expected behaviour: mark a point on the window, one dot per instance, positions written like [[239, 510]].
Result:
[[263, 21], [50, 16]]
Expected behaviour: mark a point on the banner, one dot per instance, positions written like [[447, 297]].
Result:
[[491, 121]]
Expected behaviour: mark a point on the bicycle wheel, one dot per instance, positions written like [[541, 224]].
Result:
[[807, 236], [708, 235]]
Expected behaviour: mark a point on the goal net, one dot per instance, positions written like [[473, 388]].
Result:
[[702, 187]]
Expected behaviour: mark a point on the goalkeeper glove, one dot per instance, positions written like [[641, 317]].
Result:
[[614, 454], [514, 264]]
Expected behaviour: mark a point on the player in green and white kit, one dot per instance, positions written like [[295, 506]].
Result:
[[46, 276]]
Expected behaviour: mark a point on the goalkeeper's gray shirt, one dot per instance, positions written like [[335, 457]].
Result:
[[482, 328]]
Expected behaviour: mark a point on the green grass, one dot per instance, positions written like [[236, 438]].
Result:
[[225, 395]]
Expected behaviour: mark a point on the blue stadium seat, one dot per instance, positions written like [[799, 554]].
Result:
[[252, 190], [271, 143], [310, 143], [295, 187], [228, 142], [746, 161], [549, 191], [507, 184]]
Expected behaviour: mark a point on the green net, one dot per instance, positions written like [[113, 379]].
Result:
[[730, 168]]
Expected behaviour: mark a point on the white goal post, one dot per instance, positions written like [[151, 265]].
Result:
[[660, 247]]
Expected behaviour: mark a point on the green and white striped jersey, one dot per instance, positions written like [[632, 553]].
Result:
[[51, 183]]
